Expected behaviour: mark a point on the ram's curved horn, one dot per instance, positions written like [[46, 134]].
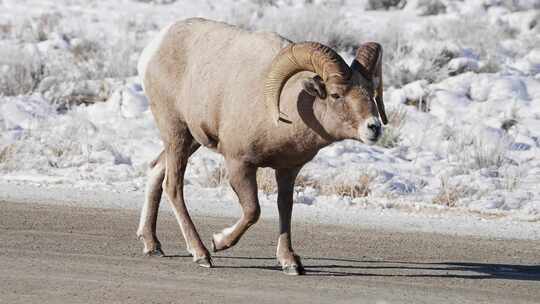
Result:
[[368, 62], [298, 57]]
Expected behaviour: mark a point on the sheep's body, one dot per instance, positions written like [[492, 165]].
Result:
[[208, 84], [210, 75]]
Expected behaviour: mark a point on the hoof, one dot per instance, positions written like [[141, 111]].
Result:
[[293, 270], [155, 253], [214, 247], [205, 262]]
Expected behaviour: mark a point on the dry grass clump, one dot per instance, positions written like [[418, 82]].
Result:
[[217, 177], [477, 151], [449, 195], [421, 104], [7, 153], [511, 177], [266, 180], [360, 188], [266, 183], [6, 29]]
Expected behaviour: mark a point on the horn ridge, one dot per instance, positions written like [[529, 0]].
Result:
[[368, 63], [297, 57]]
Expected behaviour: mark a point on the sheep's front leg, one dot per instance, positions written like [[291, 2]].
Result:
[[289, 261], [243, 179]]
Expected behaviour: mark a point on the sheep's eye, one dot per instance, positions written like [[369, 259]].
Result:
[[334, 95]]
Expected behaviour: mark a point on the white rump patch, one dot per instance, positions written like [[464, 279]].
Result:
[[149, 52]]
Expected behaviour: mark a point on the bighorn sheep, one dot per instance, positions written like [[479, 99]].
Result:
[[259, 100]]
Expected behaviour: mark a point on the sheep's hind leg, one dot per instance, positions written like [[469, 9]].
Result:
[[289, 261], [243, 179], [154, 189], [147, 223], [178, 150]]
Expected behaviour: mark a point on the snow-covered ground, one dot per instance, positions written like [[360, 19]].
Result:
[[462, 88]]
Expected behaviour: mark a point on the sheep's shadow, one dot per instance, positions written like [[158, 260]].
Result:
[[322, 266]]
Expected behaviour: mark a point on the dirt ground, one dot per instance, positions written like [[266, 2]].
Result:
[[54, 254]]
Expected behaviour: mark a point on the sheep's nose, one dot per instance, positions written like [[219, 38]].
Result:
[[375, 128]]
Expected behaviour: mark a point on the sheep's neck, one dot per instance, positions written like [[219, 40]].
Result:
[[314, 116]]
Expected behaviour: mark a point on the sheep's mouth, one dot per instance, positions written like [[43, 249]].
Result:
[[371, 140], [370, 131]]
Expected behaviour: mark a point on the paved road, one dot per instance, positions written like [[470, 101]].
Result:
[[52, 254]]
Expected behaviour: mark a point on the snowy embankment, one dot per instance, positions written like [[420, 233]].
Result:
[[462, 89]]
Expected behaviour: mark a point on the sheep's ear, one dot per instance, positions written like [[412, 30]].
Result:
[[315, 87]]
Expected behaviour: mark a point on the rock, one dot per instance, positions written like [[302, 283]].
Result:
[[461, 65]]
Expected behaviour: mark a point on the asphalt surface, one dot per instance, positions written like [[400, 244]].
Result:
[[55, 254]]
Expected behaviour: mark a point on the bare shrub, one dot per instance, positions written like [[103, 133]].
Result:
[[477, 34], [487, 155], [431, 7], [513, 5], [38, 28], [313, 22], [53, 45], [20, 71], [385, 4], [410, 56], [511, 177], [65, 94], [266, 2], [84, 49], [407, 60], [478, 151], [90, 58], [303, 182], [397, 116]]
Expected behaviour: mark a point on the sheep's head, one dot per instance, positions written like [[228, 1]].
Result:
[[349, 92]]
